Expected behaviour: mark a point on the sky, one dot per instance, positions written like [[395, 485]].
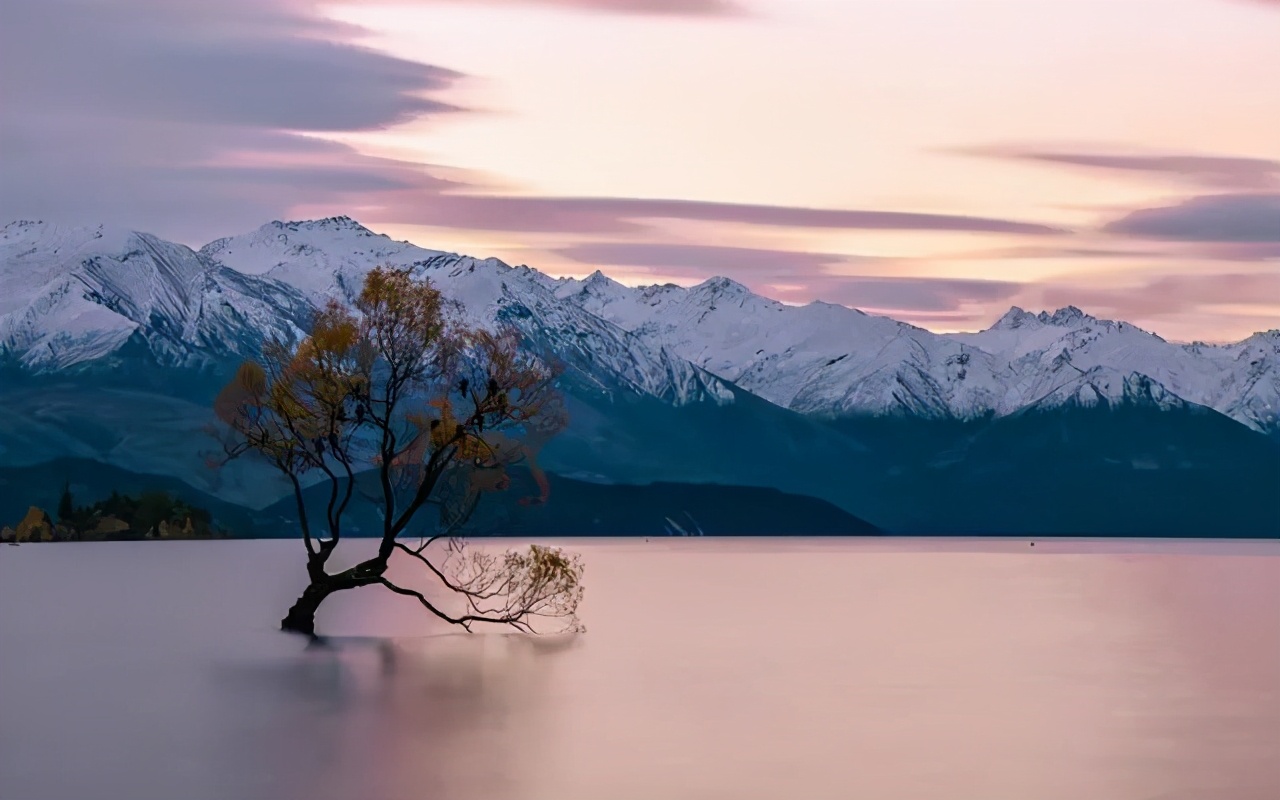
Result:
[[937, 161]]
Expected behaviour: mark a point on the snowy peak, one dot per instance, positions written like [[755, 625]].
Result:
[[721, 287], [77, 295], [820, 358], [328, 260], [1016, 318], [834, 361], [1264, 340], [1064, 317], [342, 223], [323, 259], [597, 286], [81, 295], [598, 278]]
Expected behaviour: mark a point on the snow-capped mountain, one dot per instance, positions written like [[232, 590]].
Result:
[[835, 361], [78, 296], [329, 258], [325, 258], [1047, 353], [709, 384], [819, 358]]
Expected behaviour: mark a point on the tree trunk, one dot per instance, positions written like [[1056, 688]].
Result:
[[302, 616]]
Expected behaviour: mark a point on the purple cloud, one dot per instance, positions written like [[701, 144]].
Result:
[[687, 8], [704, 261], [1211, 171], [1210, 218], [184, 181], [1169, 295], [1232, 251], [1170, 251], [599, 215], [912, 298], [268, 65], [1026, 252], [188, 118], [796, 276]]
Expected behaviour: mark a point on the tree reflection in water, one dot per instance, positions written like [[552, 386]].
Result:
[[437, 716]]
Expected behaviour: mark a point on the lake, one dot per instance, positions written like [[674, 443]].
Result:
[[734, 669]]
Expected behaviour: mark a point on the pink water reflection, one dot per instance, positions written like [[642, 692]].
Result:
[[711, 669]]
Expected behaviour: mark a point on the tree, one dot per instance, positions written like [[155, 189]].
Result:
[[153, 508], [66, 505], [438, 411]]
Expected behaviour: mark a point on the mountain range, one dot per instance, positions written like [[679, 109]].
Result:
[[112, 343]]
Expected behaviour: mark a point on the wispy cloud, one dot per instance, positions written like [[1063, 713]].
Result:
[[1061, 251], [186, 118], [705, 261], [598, 215], [266, 65], [193, 121], [912, 298], [1208, 171], [1245, 218], [1160, 302], [796, 276], [1143, 252], [684, 8], [1169, 295]]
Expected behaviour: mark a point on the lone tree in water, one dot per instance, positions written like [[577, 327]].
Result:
[[437, 411]]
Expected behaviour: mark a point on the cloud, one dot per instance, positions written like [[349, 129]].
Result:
[[796, 276], [685, 8], [184, 181], [190, 119], [1232, 251], [912, 298], [193, 120], [1035, 252], [1208, 171], [1169, 295], [1210, 218], [263, 65], [950, 303], [1168, 251], [704, 261], [599, 215]]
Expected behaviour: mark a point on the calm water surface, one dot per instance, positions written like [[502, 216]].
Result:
[[712, 669]]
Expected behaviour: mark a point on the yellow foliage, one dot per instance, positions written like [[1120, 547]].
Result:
[[35, 526], [252, 378], [367, 371]]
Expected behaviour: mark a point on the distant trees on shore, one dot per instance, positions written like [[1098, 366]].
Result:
[[150, 515]]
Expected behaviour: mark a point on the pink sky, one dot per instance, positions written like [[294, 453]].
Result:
[[934, 160], [991, 108]]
